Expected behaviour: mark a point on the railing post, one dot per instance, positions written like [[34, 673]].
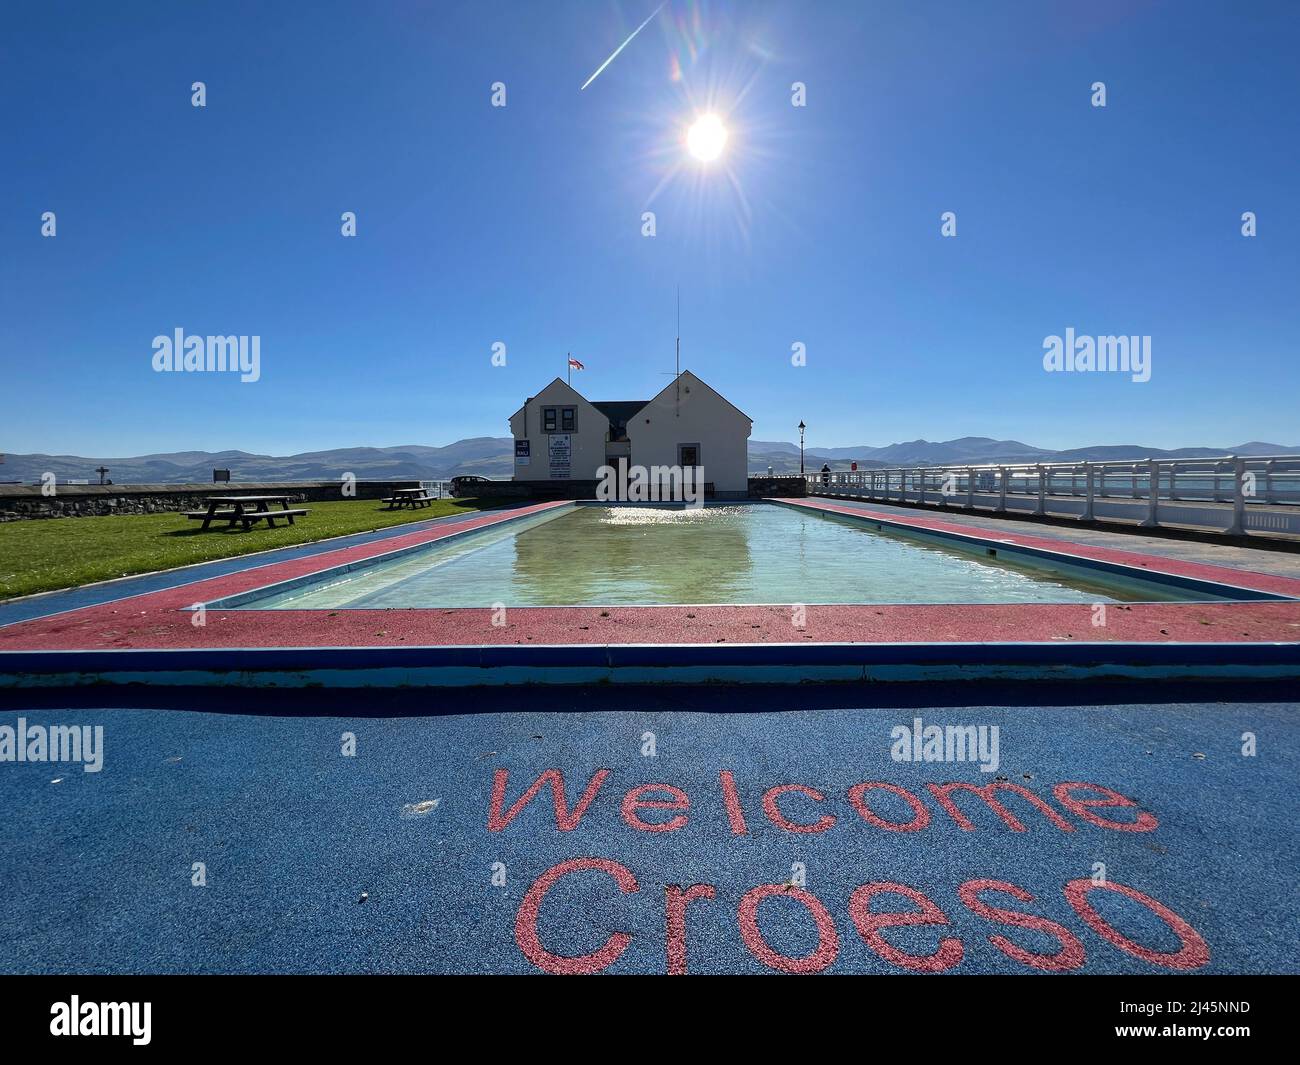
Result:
[[1042, 492], [1002, 488], [1089, 489], [921, 474], [1153, 494], [1238, 526], [970, 486]]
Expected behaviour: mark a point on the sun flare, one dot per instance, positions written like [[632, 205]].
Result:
[[706, 138]]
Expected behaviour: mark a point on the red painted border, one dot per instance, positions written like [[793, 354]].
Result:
[[158, 620]]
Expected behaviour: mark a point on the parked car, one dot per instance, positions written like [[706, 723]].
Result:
[[464, 486]]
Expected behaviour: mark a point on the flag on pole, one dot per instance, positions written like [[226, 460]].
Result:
[[574, 364]]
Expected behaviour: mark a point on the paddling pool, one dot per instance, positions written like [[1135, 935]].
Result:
[[725, 554]]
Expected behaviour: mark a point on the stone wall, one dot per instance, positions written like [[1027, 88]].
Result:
[[532, 490], [18, 502], [555, 490], [759, 487]]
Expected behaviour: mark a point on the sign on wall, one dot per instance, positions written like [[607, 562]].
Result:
[[522, 454], [561, 455]]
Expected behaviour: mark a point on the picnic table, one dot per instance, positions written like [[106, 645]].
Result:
[[246, 509], [409, 497]]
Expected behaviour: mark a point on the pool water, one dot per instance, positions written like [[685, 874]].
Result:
[[747, 553]]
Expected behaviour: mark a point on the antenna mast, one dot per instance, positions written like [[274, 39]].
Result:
[[677, 374]]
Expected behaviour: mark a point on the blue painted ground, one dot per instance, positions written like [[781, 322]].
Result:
[[96, 869]]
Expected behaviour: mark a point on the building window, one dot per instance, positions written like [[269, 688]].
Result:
[[568, 419], [688, 455], [548, 419]]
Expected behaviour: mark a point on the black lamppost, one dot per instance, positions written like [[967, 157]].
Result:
[[802, 427]]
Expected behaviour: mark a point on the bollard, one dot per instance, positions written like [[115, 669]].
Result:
[[1153, 495], [1238, 526]]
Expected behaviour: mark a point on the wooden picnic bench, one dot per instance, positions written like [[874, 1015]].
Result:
[[246, 509], [408, 497]]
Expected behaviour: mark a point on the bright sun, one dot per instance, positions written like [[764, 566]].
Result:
[[706, 138]]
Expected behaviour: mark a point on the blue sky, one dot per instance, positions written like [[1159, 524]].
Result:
[[818, 225]]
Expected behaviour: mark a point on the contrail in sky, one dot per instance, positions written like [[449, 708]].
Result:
[[622, 46]]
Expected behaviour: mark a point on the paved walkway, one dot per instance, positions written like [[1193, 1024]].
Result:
[[682, 839]]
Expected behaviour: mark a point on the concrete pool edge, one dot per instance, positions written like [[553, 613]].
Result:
[[155, 638], [1190, 575], [496, 665], [1200, 582]]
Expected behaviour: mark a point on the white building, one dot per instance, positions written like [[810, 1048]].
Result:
[[560, 436]]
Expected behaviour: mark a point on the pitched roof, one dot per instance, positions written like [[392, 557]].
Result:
[[559, 381], [699, 381], [622, 411]]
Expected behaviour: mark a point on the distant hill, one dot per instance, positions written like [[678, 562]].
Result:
[[491, 456], [975, 450], [485, 455]]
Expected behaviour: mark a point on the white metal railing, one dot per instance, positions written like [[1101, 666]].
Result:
[[1230, 494]]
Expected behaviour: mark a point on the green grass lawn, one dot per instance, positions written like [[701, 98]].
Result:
[[47, 553]]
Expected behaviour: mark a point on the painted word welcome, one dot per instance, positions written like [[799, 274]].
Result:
[[871, 805]]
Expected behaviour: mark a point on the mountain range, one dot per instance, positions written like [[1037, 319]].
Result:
[[491, 456], [976, 451]]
